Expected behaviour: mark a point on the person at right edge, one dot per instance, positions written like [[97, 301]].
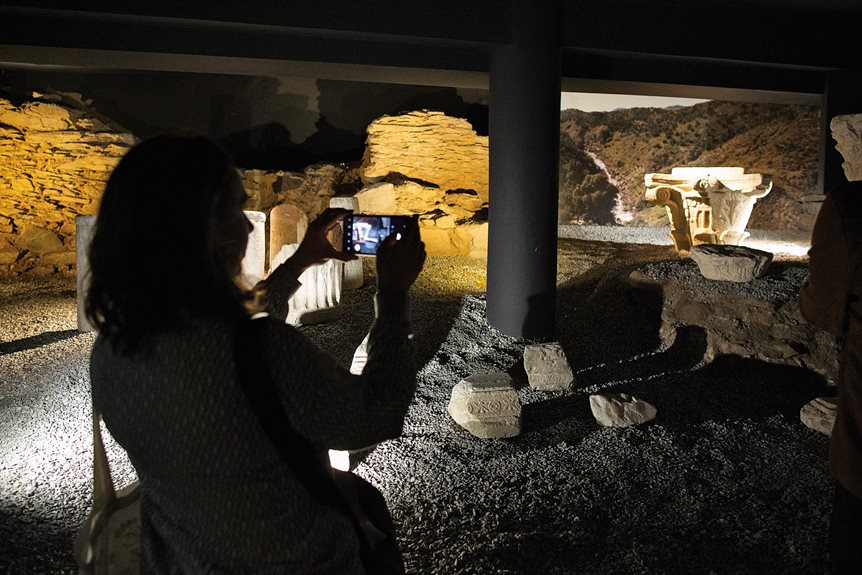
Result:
[[831, 299]]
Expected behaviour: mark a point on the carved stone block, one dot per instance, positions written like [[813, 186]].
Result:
[[730, 263], [319, 297], [487, 406], [547, 367]]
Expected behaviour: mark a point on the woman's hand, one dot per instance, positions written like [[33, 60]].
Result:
[[315, 248], [400, 261]]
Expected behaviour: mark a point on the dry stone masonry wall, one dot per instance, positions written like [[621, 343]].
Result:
[[436, 166], [55, 157]]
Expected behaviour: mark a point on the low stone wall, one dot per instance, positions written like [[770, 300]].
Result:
[[759, 319], [55, 157]]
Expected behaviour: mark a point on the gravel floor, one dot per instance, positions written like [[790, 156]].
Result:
[[725, 480]]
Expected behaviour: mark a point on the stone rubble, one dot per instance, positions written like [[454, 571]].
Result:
[[819, 414], [730, 263], [487, 405], [547, 367], [620, 410]]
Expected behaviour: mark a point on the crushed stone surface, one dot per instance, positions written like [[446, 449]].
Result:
[[724, 480]]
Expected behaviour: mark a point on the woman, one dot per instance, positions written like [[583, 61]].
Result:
[[831, 299], [216, 495]]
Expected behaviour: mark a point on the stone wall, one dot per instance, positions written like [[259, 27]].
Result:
[[437, 167], [55, 157]]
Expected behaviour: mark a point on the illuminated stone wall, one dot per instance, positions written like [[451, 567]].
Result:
[[55, 158], [438, 167]]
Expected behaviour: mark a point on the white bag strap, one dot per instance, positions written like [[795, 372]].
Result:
[[103, 485]]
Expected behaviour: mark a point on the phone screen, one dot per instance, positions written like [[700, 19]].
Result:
[[363, 233]]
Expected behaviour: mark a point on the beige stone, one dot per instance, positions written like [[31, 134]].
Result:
[[487, 406], [427, 146], [376, 199], [620, 410], [847, 132], [415, 198], [730, 263], [287, 225], [547, 367], [466, 200], [40, 240], [819, 414]]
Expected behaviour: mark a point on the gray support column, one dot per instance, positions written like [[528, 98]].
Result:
[[524, 141]]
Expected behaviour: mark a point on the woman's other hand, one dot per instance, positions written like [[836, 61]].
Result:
[[399, 261]]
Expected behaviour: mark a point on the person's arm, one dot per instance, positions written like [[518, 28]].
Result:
[[314, 249], [824, 296], [327, 404]]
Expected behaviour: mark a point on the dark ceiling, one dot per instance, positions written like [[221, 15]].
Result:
[[786, 45]]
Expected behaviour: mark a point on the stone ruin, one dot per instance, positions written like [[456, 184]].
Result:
[[56, 154], [709, 205], [433, 165]]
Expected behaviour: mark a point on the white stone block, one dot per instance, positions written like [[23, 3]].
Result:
[[487, 406], [84, 228], [318, 299], [547, 367], [730, 263], [254, 262], [620, 410], [819, 414]]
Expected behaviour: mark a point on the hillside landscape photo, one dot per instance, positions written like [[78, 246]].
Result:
[[605, 155]]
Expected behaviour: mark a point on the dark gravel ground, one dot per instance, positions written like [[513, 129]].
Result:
[[724, 480]]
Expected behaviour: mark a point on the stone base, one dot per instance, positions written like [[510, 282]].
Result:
[[730, 262]]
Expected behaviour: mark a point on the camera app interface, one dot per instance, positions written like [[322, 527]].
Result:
[[366, 233]]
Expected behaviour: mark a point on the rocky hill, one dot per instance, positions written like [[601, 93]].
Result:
[[604, 156]]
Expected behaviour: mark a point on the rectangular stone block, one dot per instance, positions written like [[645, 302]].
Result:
[[547, 367]]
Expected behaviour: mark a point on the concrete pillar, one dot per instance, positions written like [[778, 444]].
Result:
[[84, 227], [524, 137]]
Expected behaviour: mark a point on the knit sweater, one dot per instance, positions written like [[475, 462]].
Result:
[[215, 495]]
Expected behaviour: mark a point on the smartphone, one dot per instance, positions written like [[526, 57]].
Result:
[[363, 233]]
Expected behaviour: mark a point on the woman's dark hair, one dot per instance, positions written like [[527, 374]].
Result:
[[155, 259]]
